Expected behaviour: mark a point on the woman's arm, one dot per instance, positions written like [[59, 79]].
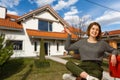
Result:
[[68, 44], [114, 52], [113, 60], [110, 49]]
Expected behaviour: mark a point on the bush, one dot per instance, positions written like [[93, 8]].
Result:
[[41, 64], [6, 50]]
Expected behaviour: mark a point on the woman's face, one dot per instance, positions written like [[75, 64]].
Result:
[[94, 31]]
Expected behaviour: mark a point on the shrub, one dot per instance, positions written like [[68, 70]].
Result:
[[42, 62], [6, 50]]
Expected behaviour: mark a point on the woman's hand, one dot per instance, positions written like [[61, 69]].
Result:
[[68, 31], [113, 60]]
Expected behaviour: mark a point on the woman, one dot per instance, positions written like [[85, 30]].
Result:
[[91, 51]]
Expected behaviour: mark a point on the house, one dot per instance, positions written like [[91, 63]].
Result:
[[113, 38], [26, 31]]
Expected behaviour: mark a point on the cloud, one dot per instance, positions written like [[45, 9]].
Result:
[[60, 5], [75, 20], [72, 16], [9, 3], [12, 12], [109, 17], [73, 11], [64, 4], [41, 2]]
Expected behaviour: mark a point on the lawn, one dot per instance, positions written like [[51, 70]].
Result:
[[24, 69]]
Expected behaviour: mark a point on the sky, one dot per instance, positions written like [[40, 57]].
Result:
[[75, 12]]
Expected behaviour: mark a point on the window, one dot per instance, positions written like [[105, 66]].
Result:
[[12, 19], [57, 46], [35, 46], [17, 45], [118, 45], [45, 25]]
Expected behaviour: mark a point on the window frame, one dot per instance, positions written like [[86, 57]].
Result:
[[44, 22], [35, 46], [17, 44], [57, 46], [118, 46]]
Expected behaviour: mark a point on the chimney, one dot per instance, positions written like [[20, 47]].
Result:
[[3, 12]]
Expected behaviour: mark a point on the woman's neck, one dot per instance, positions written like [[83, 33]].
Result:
[[92, 40]]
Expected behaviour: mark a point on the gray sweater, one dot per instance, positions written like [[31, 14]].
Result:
[[90, 51]]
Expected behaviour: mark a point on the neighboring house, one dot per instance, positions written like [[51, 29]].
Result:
[[26, 31], [113, 38]]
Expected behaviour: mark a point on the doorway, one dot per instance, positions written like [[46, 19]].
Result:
[[46, 48]]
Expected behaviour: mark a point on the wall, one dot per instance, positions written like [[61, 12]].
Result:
[[32, 23], [2, 12], [113, 43], [53, 48]]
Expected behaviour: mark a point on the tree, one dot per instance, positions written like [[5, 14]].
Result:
[[6, 50], [42, 62], [81, 23], [42, 51]]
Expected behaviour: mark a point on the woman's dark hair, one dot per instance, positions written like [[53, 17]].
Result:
[[90, 26]]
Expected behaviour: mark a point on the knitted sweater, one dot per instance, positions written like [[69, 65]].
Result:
[[90, 51]]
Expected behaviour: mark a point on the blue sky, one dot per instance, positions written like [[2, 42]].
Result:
[[106, 12]]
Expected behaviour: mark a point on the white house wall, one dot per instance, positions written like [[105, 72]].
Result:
[[57, 27], [11, 35], [27, 47], [30, 23], [61, 49], [45, 15], [2, 12], [53, 49]]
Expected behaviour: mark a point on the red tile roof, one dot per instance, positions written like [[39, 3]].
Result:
[[114, 32], [73, 29], [57, 35], [7, 23]]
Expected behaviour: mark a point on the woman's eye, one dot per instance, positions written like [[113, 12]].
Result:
[[92, 28]]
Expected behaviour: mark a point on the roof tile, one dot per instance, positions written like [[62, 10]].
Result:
[[38, 33], [114, 32], [8, 23]]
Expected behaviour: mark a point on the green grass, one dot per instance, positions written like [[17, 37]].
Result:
[[105, 65], [24, 69]]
